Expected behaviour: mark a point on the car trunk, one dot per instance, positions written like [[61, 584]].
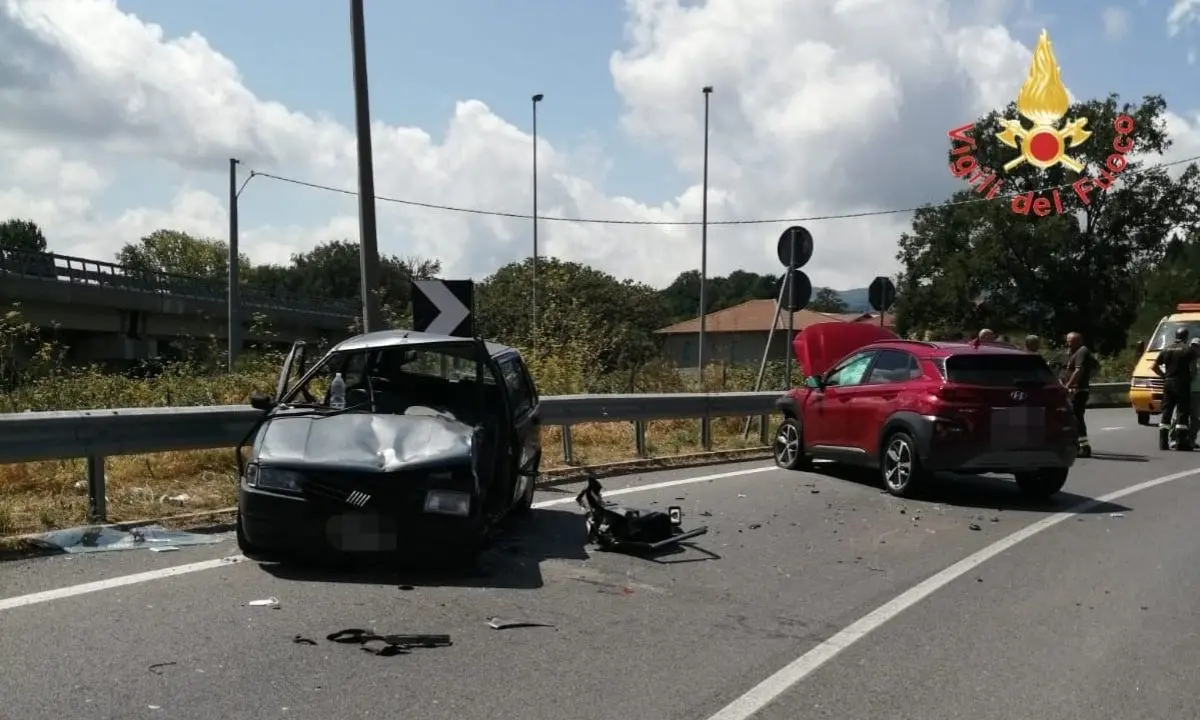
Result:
[[1009, 400]]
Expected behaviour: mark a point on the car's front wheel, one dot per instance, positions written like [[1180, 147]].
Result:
[[1143, 418], [1041, 484], [789, 446], [900, 466]]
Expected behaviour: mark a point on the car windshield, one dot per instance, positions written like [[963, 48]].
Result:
[[441, 377], [997, 370], [1165, 334]]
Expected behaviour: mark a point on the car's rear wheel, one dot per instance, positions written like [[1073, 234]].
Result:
[[1041, 484], [525, 504], [900, 466], [789, 446], [1143, 418]]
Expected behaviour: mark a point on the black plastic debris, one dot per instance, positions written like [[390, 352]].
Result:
[[497, 623], [974, 526], [301, 640], [387, 645], [157, 668], [631, 530]]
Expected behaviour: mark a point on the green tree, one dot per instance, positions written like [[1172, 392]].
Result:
[[18, 234], [828, 300], [178, 253], [682, 296], [578, 306], [981, 263]]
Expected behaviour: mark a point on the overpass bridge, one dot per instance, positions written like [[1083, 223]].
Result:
[[108, 312]]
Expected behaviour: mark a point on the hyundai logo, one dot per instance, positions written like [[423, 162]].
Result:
[[1018, 396], [358, 499]]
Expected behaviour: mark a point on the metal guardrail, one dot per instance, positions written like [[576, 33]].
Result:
[[97, 434], [64, 268]]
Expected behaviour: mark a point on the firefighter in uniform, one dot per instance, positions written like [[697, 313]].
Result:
[[1174, 366]]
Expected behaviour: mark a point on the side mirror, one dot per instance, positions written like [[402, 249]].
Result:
[[813, 382], [1140, 348], [259, 401]]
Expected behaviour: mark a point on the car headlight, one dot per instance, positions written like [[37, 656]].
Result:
[[1140, 382], [448, 502], [268, 478]]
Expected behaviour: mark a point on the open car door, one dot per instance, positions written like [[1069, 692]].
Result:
[[292, 365]]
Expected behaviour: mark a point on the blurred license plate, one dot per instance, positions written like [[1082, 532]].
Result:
[[362, 532], [1017, 425]]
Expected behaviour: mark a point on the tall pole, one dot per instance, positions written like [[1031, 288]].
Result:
[[367, 231], [707, 90], [534, 328], [234, 319]]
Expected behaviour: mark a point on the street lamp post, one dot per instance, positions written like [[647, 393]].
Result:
[[704, 239], [234, 315], [705, 440], [368, 248], [536, 99]]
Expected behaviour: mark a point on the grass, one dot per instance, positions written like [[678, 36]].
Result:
[[48, 495]]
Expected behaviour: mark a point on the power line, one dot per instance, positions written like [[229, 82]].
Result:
[[677, 223]]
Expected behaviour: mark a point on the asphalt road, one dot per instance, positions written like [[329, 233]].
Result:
[[814, 595]]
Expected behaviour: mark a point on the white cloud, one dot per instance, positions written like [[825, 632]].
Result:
[[1182, 13], [1116, 22], [818, 108]]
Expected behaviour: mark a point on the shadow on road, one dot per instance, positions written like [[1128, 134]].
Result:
[[978, 491], [512, 559]]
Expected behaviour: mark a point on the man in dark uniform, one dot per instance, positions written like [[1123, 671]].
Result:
[[1077, 377], [1174, 366]]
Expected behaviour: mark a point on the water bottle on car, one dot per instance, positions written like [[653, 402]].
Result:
[[337, 392]]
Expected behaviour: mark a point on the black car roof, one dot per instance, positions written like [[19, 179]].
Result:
[[409, 338]]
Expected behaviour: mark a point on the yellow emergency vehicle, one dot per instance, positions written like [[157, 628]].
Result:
[[1146, 388]]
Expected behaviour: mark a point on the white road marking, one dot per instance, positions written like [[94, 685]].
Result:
[[1115, 427], [174, 571], [776, 685]]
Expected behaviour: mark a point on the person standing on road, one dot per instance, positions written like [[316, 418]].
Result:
[[1174, 366], [986, 336], [1081, 366]]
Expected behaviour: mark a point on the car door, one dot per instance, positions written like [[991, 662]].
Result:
[[527, 440], [872, 402], [826, 413]]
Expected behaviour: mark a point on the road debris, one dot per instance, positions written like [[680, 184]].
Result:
[[164, 548], [391, 644], [630, 530], [975, 526], [271, 602], [156, 668], [301, 640], [497, 623], [1117, 515], [111, 539]]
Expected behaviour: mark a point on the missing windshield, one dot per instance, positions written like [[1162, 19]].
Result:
[[998, 370]]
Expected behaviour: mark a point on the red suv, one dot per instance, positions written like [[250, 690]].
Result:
[[913, 408]]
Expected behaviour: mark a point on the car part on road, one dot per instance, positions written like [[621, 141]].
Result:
[[111, 539], [497, 623], [630, 530], [272, 603], [392, 644]]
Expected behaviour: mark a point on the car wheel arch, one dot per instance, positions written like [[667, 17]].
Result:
[[916, 426]]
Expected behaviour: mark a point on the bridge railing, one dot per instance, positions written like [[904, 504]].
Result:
[[65, 268], [97, 434]]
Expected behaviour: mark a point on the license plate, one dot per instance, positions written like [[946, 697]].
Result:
[[361, 532], [1017, 425]]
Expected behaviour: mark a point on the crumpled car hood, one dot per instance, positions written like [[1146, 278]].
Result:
[[365, 442], [820, 345]]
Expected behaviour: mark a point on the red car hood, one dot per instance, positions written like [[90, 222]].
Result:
[[818, 347]]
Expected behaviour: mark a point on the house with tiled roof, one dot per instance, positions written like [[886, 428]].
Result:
[[738, 335]]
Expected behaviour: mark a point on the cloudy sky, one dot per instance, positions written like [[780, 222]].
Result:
[[117, 118]]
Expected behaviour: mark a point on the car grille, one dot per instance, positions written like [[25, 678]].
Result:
[[341, 492]]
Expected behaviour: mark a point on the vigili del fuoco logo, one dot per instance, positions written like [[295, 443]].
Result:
[[1045, 143]]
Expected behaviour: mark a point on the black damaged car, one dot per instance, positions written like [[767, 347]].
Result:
[[393, 441]]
